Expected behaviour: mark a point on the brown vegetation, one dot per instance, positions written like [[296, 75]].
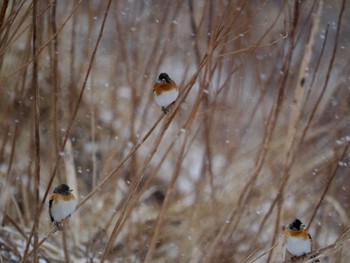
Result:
[[259, 135]]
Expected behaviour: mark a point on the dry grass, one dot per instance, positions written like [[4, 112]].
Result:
[[260, 134]]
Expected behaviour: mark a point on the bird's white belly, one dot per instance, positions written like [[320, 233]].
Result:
[[166, 98], [61, 210], [297, 246]]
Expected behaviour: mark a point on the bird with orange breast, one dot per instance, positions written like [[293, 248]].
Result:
[[297, 239], [62, 204], [165, 91]]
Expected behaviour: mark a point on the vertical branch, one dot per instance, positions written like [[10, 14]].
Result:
[[3, 33], [65, 248], [36, 131], [72, 57], [55, 76], [93, 136]]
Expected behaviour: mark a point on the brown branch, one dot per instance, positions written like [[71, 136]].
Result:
[[3, 12], [36, 112], [55, 76], [53, 230]]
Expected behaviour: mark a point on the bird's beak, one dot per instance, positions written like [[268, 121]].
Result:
[[70, 190]]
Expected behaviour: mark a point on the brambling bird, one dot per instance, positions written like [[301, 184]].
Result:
[[165, 91], [61, 205], [297, 239]]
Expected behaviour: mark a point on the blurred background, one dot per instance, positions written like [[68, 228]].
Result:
[[258, 137]]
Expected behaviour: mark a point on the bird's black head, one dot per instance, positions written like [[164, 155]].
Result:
[[295, 225], [164, 76], [62, 189]]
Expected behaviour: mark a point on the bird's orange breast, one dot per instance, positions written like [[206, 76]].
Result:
[[302, 233], [160, 88], [56, 197]]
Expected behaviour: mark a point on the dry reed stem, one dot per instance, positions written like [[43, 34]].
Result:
[[8, 25], [71, 179], [17, 226], [339, 209], [53, 230], [3, 12], [74, 114], [279, 255], [36, 106], [65, 249], [55, 76]]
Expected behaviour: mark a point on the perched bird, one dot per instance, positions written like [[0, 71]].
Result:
[[165, 91], [61, 205], [297, 239]]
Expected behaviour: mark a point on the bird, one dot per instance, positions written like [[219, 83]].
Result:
[[165, 91], [297, 239], [62, 204]]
